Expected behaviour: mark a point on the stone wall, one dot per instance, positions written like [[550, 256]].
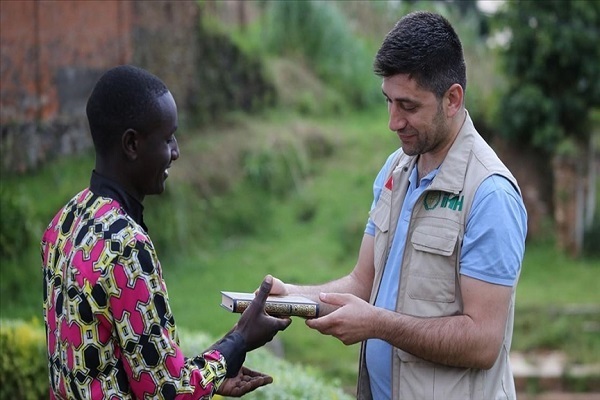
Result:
[[165, 41]]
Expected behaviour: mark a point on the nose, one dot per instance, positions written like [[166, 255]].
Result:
[[397, 118], [175, 150]]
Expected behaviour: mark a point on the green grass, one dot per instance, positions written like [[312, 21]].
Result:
[[309, 235], [552, 278]]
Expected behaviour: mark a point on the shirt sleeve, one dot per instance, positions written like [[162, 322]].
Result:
[[146, 338], [232, 348], [494, 240]]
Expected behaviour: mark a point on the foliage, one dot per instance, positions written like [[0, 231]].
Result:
[[290, 381], [15, 229], [23, 361], [278, 168], [570, 329], [228, 78], [551, 62], [317, 34], [320, 53], [228, 190], [483, 77], [484, 81]]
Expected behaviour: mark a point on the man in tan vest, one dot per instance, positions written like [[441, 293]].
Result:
[[432, 294]]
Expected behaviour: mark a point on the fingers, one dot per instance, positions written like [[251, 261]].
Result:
[[278, 288], [243, 384], [255, 325], [250, 373], [264, 290], [315, 323], [285, 322], [336, 299], [250, 380]]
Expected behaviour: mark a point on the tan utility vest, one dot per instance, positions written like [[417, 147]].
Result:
[[430, 271]]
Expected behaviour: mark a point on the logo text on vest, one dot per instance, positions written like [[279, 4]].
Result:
[[444, 200]]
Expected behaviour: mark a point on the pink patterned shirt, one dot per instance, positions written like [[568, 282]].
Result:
[[110, 331]]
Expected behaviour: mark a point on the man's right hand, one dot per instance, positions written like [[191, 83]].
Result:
[[255, 325]]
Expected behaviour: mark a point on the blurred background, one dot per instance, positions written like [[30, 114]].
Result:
[[282, 130]]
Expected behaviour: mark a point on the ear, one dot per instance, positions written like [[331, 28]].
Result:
[[454, 99], [129, 144]]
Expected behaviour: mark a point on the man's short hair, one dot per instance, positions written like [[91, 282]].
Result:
[[124, 98], [426, 47]]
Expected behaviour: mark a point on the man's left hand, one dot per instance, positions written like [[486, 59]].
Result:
[[350, 322], [244, 382]]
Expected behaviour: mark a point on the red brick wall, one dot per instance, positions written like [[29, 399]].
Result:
[[18, 98], [47, 46], [53, 52]]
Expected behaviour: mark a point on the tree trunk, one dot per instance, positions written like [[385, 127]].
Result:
[[571, 189], [593, 170]]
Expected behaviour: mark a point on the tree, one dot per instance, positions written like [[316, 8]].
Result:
[[552, 62]]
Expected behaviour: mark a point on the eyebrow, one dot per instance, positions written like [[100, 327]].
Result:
[[402, 99]]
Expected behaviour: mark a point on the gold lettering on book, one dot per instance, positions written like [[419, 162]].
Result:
[[282, 309]]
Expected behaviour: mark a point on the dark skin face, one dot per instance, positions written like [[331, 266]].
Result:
[[140, 161]]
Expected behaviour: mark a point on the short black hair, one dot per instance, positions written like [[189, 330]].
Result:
[[123, 98], [425, 46]]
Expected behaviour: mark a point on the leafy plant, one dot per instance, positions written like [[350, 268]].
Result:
[[317, 34], [551, 64], [15, 229], [290, 381], [23, 361]]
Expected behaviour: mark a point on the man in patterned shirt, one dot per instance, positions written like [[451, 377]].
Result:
[[109, 327]]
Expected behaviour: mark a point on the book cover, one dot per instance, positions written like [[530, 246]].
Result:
[[280, 306]]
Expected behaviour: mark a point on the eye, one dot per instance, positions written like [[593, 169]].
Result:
[[409, 106]]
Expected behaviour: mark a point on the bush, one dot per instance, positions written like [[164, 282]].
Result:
[[24, 371], [278, 168], [15, 232], [290, 381], [23, 365], [318, 34], [229, 78]]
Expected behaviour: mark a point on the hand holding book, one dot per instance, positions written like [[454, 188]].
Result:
[[255, 326]]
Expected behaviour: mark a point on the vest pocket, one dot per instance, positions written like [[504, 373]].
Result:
[[435, 239], [421, 379], [432, 273], [380, 215]]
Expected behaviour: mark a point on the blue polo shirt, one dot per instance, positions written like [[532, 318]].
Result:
[[492, 251]]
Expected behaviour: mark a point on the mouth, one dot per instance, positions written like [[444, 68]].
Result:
[[405, 136]]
